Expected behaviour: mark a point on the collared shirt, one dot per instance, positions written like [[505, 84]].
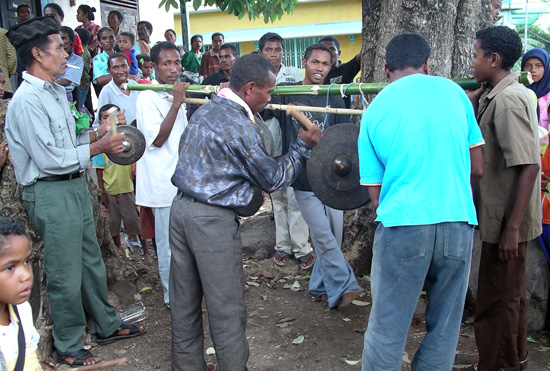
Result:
[[222, 157], [113, 95], [288, 75], [8, 60], [216, 78], [210, 63], [100, 65], [41, 132], [156, 166], [508, 121], [191, 62], [73, 72]]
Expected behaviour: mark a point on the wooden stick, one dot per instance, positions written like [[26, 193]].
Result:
[[112, 119], [283, 107], [298, 116]]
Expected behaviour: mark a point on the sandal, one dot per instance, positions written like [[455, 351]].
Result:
[[305, 259], [79, 357], [135, 246], [283, 258], [134, 331]]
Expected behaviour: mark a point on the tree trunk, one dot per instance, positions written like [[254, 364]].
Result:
[[11, 205], [449, 27]]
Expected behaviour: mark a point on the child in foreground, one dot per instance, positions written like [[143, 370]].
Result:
[[15, 288]]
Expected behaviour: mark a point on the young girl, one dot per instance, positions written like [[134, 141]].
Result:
[[16, 323], [146, 66], [107, 42]]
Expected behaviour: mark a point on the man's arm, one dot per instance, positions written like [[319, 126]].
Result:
[[203, 69], [167, 124], [476, 161], [374, 193], [104, 80], [508, 246]]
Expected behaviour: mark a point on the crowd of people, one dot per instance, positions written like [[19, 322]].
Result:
[[201, 164]]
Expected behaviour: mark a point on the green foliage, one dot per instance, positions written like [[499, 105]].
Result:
[[537, 37], [269, 10]]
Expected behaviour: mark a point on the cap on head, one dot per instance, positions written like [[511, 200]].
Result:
[[30, 30]]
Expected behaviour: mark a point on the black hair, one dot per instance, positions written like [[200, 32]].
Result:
[[69, 32], [147, 25], [24, 52], [103, 29], [407, 50], [171, 30], [129, 35], [156, 49], [196, 36], [270, 36], [217, 34], [88, 10], [501, 40], [107, 107], [333, 39], [233, 48], [313, 47], [11, 227], [118, 14], [57, 9], [85, 35], [115, 55], [142, 58], [250, 67], [21, 6]]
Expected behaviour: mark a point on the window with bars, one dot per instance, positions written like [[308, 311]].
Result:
[[294, 50]]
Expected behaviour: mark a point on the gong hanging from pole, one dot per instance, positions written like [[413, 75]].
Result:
[[333, 169]]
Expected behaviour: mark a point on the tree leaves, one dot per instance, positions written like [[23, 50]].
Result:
[[268, 10]]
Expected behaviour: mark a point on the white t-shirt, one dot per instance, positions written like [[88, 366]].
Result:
[[8, 339], [113, 95], [154, 170]]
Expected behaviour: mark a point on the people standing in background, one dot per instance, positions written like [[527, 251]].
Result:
[[85, 15], [144, 31], [23, 13], [191, 60], [75, 64], [107, 43], [170, 35], [210, 62], [85, 98], [8, 62], [114, 20], [537, 62]]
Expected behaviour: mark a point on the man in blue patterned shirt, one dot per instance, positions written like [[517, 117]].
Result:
[[222, 158]]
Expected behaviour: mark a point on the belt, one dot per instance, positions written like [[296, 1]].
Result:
[[55, 178]]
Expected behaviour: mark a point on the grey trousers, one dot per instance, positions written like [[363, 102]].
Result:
[[206, 262]]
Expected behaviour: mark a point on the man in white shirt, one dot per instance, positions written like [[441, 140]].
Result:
[[291, 231], [117, 66], [162, 122]]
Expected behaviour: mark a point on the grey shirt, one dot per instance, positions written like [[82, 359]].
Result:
[[40, 130]]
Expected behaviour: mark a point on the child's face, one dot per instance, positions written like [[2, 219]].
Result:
[[147, 68], [107, 40], [124, 43], [15, 270], [103, 117], [2, 82]]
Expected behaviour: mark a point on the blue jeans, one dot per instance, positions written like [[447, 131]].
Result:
[[406, 259]]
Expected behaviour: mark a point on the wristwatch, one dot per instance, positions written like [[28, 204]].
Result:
[[96, 134]]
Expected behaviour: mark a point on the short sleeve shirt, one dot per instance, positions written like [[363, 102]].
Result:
[[100, 65], [116, 178], [508, 120]]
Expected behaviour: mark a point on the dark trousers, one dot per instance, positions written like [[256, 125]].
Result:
[[501, 313], [206, 262]]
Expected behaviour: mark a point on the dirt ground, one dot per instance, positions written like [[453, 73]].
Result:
[[332, 339]]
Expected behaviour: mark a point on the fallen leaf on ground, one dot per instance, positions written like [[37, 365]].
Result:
[[360, 303], [286, 286], [298, 340], [406, 358], [255, 284], [145, 289], [351, 363], [531, 340], [295, 286], [285, 319], [267, 275], [282, 325], [210, 351], [304, 277]]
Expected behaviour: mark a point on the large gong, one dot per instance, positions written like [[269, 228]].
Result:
[[333, 169]]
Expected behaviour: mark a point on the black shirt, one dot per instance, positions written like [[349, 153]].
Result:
[[343, 73], [215, 78]]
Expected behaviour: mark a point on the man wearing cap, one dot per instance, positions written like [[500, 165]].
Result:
[[49, 159]]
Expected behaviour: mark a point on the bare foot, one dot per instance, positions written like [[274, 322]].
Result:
[[211, 367], [80, 361], [147, 260], [324, 298], [347, 299]]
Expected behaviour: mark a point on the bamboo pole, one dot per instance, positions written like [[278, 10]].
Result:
[[350, 89], [284, 107]]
